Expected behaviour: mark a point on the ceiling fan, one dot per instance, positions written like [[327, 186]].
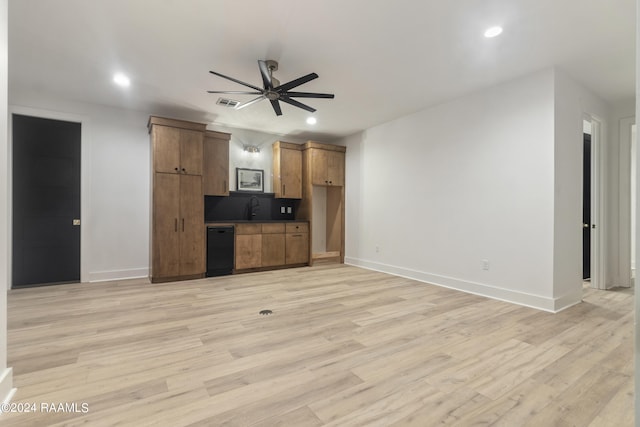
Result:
[[273, 90]]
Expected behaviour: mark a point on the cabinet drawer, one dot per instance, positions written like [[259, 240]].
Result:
[[273, 228], [298, 227], [248, 228]]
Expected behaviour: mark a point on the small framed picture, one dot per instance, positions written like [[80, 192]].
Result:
[[250, 180]]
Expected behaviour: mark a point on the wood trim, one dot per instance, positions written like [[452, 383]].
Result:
[[289, 145], [323, 146], [218, 135], [181, 124]]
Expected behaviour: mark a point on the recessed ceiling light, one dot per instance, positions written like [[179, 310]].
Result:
[[121, 80], [311, 120], [493, 32]]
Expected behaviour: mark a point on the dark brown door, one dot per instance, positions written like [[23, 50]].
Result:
[[46, 201], [586, 209]]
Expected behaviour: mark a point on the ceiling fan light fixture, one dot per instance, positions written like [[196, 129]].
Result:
[[493, 32], [311, 120]]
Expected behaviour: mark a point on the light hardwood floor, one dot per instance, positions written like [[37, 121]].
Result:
[[343, 347]]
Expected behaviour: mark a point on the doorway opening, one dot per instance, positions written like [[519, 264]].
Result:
[[45, 201], [592, 211]]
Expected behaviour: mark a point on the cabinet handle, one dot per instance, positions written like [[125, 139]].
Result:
[[330, 182], [175, 224], [284, 189], [176, 169], [183, 225], [184, 170], [296, 235]]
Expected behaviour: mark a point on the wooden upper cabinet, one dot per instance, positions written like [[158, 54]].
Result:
[[216, 163], [327, 164], [191, 152], [287, 170], [335, 168], [166, 149], [177, 145], [177, 215]]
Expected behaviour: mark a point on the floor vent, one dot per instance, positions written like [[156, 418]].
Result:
[[266, 312], [231, 103]]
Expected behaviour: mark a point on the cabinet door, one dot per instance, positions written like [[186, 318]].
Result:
[[290, 173], [216, 167], [297, 248], [335, 168], [190, 152], [166, 149], [191, 226], [248, 251], [166, 237], [273, 249], [319, 167]]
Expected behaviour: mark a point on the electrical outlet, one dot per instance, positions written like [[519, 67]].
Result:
[[485, 264], [283, 209], [288, 209]]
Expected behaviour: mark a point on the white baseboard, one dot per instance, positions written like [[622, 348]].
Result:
[[104, 276], [538, 302], [6, 386]]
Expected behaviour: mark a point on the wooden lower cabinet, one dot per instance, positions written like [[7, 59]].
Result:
[[248, 251], [273, 244], [178, 240], [265, 245], [297, 243], [273, 253]]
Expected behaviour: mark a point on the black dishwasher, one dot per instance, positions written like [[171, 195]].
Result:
[[220, 248]]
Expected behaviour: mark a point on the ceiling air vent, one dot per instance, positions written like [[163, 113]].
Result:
[[227, 102]]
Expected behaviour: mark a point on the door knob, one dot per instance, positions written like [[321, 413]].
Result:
[[585, 225], [76, 221]]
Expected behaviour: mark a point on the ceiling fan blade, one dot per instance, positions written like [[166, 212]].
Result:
[[276, 106], [253, 101], [237, 81], [297, 82], [234, 92], [308, 95], [266, 76], [297, 104]]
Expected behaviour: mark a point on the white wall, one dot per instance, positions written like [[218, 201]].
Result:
[[572, 101], [116, 179], [115, 184], [637, 240], [238, 158], [6, 376], [443, 189], [618, 190]]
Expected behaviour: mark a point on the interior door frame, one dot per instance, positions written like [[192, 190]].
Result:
[[623, 278], [598, 218], [84, 180]]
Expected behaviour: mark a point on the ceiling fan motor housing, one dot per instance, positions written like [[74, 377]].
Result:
[[273, 90]]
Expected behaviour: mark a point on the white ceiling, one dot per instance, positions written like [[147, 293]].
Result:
[[382, 59]]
